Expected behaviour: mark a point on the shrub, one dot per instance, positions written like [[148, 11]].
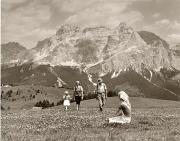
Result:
[[111, 94], [38, 104], [38, 91], [60, 102], [2, 108], [9, 93], [18, 92], [52, 104], [89, 96], [33, 96], [44, 104], [13, 99]]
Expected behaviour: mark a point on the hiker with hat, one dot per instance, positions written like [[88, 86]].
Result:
[[101, 92], [66, 99], [78, 94], [124, 110]]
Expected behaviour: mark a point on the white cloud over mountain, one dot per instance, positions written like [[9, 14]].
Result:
[[28, 21], [163, 22]]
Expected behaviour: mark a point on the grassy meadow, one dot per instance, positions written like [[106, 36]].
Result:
[[152, 120]]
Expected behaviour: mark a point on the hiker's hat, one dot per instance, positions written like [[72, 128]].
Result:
[[66, 92], [100, 80]]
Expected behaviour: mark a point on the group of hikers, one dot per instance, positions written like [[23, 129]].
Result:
[[123, 114]]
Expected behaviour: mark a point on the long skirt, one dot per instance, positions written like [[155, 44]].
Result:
[[120, 119]]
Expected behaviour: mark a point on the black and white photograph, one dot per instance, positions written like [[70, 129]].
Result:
[[90, 70]]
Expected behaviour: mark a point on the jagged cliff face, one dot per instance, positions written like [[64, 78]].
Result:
[[126, 49], [72, 46], [102, 50], [176, 56]]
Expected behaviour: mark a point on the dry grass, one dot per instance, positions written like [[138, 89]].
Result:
[[151, 120]]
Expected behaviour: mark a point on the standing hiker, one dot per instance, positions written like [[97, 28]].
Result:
[[78, 94], [101, 91], [66, 99], [124, 110]]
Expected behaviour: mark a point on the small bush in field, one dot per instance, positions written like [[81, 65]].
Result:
[[44, 104], [52, 104], [18, 92], [89, 96], [33, 96], [111, 94], [13, 99], [38, 104], [59, 102], [9, 93], [2, 108], [37, 91]]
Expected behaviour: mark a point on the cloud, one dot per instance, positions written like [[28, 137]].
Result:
[[28, 21], [108, 13], [163, 22], [175, 25], [19, 24], [7, 4], [156, 15], [174, 38]]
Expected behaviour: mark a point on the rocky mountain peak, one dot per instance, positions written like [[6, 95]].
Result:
[[150, 38], [67, 29], [106, 49]]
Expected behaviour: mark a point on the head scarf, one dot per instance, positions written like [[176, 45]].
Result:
[[122, 95], [78, 82]]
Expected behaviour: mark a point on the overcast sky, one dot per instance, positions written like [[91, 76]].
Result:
[[28, 21]]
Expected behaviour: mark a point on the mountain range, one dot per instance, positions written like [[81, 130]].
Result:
[[124, 58]]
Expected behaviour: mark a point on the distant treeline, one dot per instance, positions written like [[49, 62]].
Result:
[[47, 104]]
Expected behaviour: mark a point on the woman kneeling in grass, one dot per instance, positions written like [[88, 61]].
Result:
[[124, 110]]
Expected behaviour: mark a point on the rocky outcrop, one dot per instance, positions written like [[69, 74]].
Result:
[[176, 56]]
